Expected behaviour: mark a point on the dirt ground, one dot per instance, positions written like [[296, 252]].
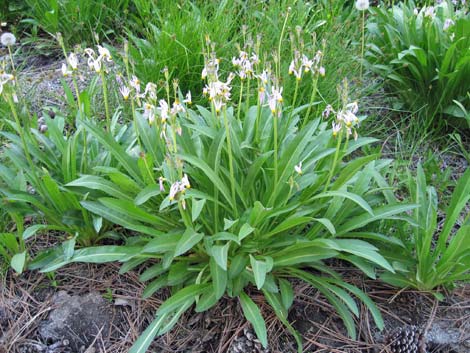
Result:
[[111, 314]]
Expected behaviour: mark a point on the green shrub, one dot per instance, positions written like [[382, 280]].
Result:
[[433, 256], [424, 57]]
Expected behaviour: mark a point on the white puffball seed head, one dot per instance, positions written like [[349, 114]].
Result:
[[7, 39], [362, 5]]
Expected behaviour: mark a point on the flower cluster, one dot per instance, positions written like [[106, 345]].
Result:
[[96, 62], [217, 91], [345, 118], [302, 64], [245, 64], [71, 66], [177, 188], [5, 79]]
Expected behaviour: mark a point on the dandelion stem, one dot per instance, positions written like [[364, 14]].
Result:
[[362, 45]]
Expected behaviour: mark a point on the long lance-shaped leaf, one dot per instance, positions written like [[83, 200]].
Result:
[[117, 150], [118, 218], [98, 183], [384, 212], [209, 172], [146, 338], [188, 293], [253, 315], [348, 195]]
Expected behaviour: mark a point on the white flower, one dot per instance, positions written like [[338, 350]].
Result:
[[298, 168], [73, 61], [416, 11], [65, 71], [150, 90], [8, 39], [4, 79], [149, 112], [336, 128], [160, 181], [188, 98], [174, 189], [164, 110], [429, 11], [264, 77], [177, 108], [185, 182], [125, 91], [104, 53], [448, 23], [274, 98], [362, 5], [135, 83]]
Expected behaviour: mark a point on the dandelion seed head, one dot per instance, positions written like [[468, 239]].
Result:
[[8, 39]]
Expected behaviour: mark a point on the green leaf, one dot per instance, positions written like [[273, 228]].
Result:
[[18, 262], [353, 197], [154, 286], [245, 230], [259, 271], [380, 213], [189, 239], [147, 193], [287, 293], [146, 338], [197, 206], [253, 315], [30, 231], [219, 278], [101, 184], [206, 301], [220, 254], [188, 293], [228, 223]]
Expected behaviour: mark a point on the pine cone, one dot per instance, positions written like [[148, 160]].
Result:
[[408, 339]]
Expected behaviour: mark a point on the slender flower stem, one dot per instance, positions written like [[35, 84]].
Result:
[[11, 60], [335, 160], [294, 100], [240, 100], [258, 116], [106, 104], [230, 159], [312, 99], [247, 95], [278, 63], [276, 176]]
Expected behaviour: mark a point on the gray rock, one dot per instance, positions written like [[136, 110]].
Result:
[[77, 319]]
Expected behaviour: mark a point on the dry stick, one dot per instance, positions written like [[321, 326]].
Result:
[[431, 316]]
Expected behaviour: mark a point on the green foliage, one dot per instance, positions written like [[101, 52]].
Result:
[[77, 20], [46, 162], [248, 219], [424, 58], [433, 256]]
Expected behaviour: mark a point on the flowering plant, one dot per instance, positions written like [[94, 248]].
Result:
[[230, 197]]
